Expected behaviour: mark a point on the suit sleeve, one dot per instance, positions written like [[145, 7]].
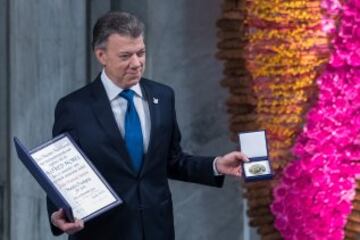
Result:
[[63, 123], [189, 168]]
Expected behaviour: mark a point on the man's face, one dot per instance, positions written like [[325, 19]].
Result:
[[123, 59]]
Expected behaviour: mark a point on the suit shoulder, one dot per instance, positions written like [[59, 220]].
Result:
[[156, 86], [78, 95]]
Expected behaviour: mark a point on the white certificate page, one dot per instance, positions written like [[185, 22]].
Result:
[[73, 177]]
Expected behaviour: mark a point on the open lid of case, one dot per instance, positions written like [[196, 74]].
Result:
[[254, 145]]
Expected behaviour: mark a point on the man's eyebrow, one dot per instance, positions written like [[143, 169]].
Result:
[[128, 52], [125, 52]]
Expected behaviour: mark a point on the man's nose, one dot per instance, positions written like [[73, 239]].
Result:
[[135, 61]]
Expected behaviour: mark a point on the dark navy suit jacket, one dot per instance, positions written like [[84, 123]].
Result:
[[147, 212]]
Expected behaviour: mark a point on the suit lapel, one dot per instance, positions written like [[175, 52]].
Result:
[[102, 108], [149, 96]]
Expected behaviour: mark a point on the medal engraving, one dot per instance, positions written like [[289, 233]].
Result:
[[257, 169]]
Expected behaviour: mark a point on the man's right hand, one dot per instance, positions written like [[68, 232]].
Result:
[[58, 219]]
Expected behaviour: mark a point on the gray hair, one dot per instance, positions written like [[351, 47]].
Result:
[[122, 23]]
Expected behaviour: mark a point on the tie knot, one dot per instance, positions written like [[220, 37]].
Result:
[[128, 94]]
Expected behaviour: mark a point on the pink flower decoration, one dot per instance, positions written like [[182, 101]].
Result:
[[336, 60], [313, 197], [354, 58]]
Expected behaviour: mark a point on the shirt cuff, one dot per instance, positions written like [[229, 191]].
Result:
[[216, 172]]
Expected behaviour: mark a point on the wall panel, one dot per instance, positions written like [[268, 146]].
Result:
[[3, 118], [47, 60]]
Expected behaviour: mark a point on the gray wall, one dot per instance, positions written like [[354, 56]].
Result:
[[46, 36], [3, 119], [47, 60]]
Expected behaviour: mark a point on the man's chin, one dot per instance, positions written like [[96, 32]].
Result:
[[132, 82], [135, 80]]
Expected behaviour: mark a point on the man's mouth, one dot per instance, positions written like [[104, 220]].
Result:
[[134, 73]]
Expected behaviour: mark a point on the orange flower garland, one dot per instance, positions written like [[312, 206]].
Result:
[[286, 49], [280, 49]]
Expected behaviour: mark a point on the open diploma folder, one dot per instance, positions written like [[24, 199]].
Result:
[[69, 178], [254, 146]]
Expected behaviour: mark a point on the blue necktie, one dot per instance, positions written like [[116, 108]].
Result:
[[133, 133]]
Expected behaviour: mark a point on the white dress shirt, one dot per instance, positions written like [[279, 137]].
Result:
[[119, 106]]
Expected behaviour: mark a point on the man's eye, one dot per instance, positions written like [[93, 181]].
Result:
[[124, 57], [140, 54]]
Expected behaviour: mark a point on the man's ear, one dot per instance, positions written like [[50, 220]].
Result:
[[100, 56]]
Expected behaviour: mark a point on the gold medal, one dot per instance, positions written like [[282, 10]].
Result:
[[257, 169]]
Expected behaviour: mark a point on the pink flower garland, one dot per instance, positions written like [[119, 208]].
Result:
[[313, 197]]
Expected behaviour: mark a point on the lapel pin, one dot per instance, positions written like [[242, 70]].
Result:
[[155, 100]]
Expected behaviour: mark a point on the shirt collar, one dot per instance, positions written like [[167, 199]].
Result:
[[113, 91]]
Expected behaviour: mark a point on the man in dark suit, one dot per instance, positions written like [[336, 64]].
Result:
[[127, 127]]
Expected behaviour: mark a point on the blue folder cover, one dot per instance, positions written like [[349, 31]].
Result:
[[50, 189], [42, 179]]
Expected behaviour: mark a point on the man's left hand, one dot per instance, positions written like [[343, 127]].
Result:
[[230, 164]]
